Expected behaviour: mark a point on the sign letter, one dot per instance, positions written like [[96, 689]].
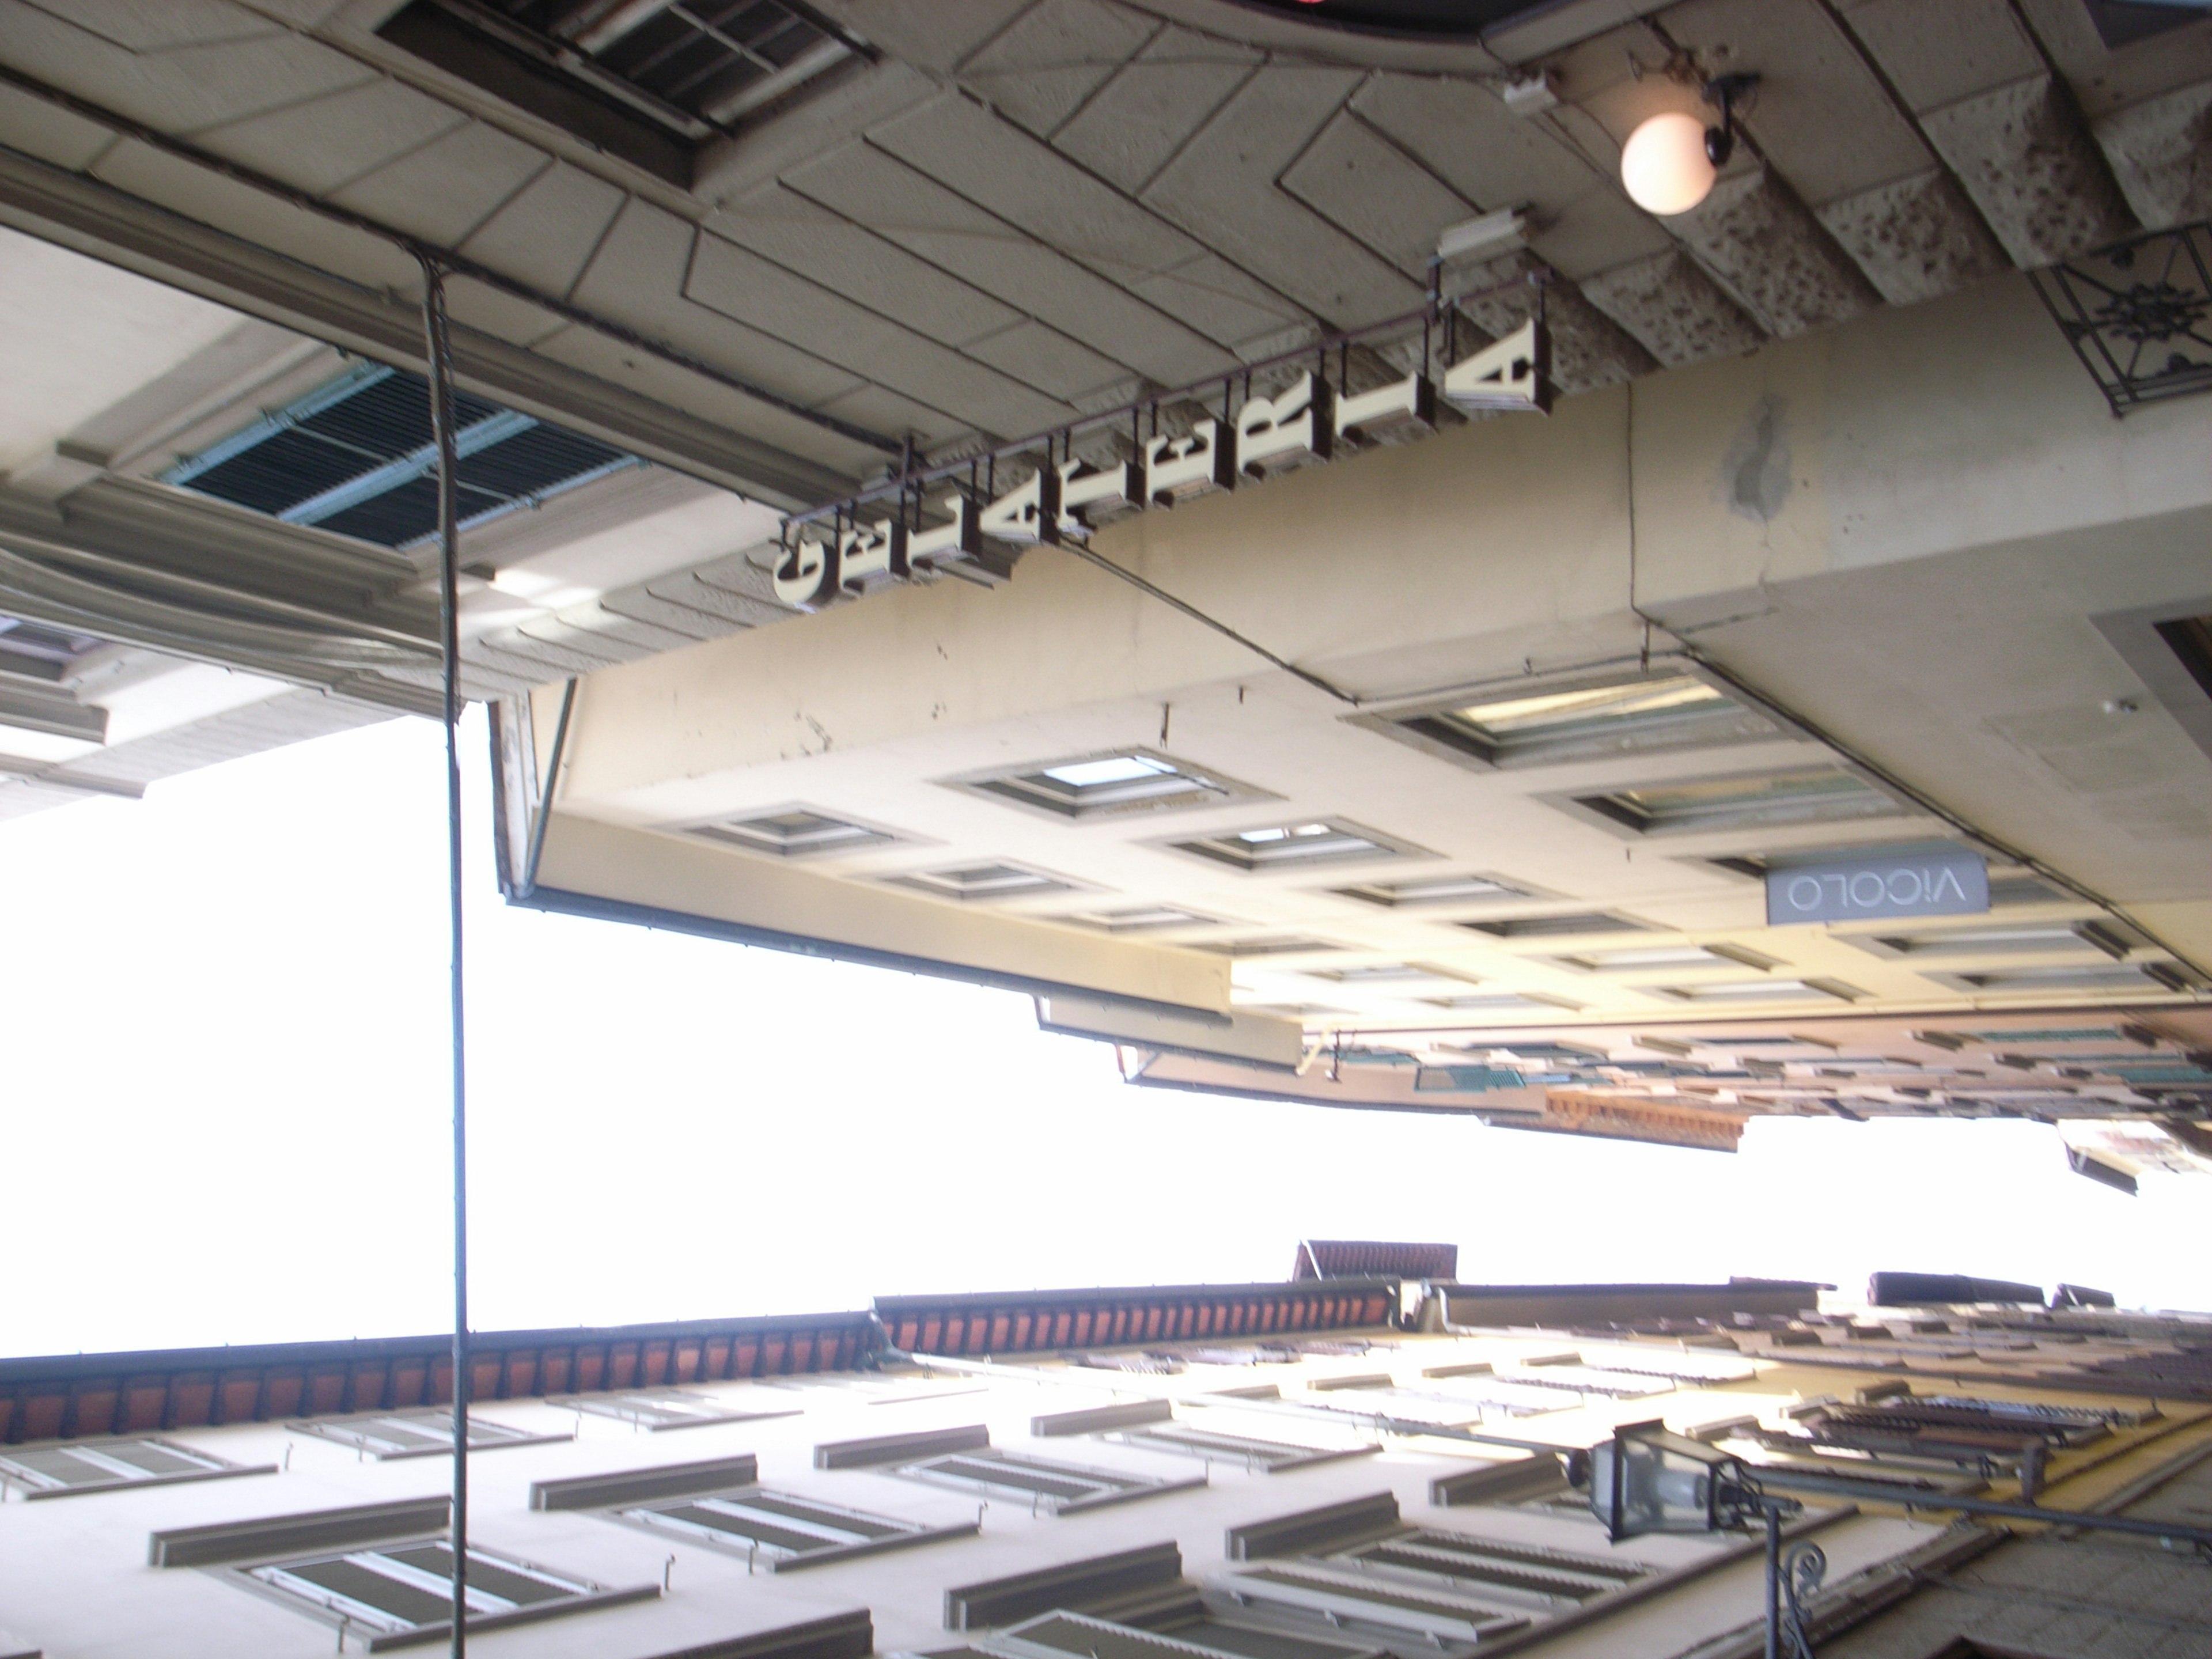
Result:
[[1404, 408], [1176, 469], [806, 576], [1510, 374], [1291, 431]]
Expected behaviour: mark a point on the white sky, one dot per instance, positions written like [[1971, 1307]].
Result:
[[224, 1117]]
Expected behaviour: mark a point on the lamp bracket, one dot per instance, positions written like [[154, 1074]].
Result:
[[1726, 92]]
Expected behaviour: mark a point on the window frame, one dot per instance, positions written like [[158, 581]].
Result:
[[1049, 885], [1421, 724], [1009, 785], [1382, 895], [1215, 848], [19, 1477], [312, 1602], [1873, 800], [334, 1429], [906, 1533], [555, 82], [716, 831], [642, 1416], [1113, 1485]]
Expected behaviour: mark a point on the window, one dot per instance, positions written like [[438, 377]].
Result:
[[782, 1530], [1558, 926], [1089, 1638], [2086, 939], [1503, 1002], [1052, 1487], [655, 1410], [1274, 945], [1801, 795], [1265, 1456], [1349, 1601], [1141, 919], [1649, 958], [1553, 1580], [983, 883], [1433, 890], [83, 1466], [1764, 990], [650, 80], [1386, 974], [2146, 976], [1289, 846], [406, 1588], [34, 650], [1591, 719], [798, 832], [1103, 786], [418, 1434], [357, 458]]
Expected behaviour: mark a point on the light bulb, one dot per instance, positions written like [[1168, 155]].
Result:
[[1664, 165]]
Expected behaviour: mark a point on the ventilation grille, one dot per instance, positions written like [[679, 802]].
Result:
[[358, 457]]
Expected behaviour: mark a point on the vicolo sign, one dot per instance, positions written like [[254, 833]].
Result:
[[1308, 422], [1948, 881]]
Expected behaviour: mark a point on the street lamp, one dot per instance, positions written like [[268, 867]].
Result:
[[1647, 1479], [1669, 162]]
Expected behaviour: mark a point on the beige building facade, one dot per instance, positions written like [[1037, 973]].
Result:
[[1342, 1488]]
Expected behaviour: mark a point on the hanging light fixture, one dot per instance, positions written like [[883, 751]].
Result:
[[1670, 161]]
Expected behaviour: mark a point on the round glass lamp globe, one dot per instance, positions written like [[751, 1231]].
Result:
[[1664, 165]]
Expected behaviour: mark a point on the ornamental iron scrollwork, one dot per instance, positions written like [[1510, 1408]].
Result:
[[2139, 314], [1803, 1566]]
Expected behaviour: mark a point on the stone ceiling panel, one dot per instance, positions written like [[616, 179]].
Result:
[[2022, 154], [546, 233], [1223, 186], [1368, 188], [782, 226], [2161, 154], [1757, 237], [182, 81], [640, 273], [1132, 125], [1040, 70], [1937, 55], [1914, 238], [325, 143], [1047, 360], [924, 217], [997, 165], [1229, 304], [447, 190], [1679, 313], [1814, 83], [735, 283]]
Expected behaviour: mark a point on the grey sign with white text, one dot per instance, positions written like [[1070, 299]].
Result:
[[1933, 882]]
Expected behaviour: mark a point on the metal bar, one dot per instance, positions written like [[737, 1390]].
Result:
[[545, 795], [1204, 621], [405, 469], [438, 348], [452, 263], [1153, 400], [1773, 1582], [1875, 1491]]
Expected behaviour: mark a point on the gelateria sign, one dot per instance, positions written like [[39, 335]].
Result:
[[971, 534]]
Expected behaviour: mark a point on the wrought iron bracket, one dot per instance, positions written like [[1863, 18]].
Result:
[[2138, 314]]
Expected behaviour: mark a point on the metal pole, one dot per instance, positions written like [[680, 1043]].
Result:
[[442, 427], [1773, 1581]]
